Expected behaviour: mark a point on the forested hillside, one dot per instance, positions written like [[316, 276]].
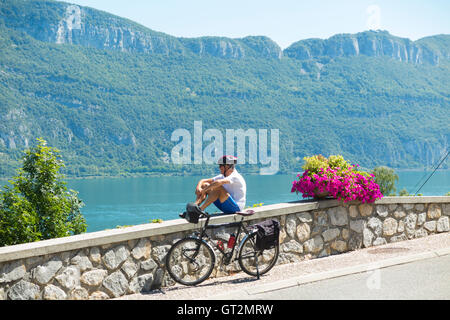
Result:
[[109, 93]]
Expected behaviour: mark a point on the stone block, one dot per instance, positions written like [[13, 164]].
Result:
[[355, 242], [303, 232], [130, 268], [313, 245], [98, 295], [420, 233], [379, 241], [52, 292], [421, 218], [330, 234], [389, 227], [149, 265], [94, 277], [434, 211], [401, 237], [291, 226], [357, 225], [401, 226], [114, 257], [116, 284], [430, 226], [24, 290], [399, 213], [368, 237], [141, 284], [82, 261], [339, 245], [408, 206], [44, 273], [443, 224], [142, 249], [304, 217], [419, 207], [446, 209], [78, 293], [292, 246], [69, 277], [11, 271], [382, 211], [338, 216], [365, 209], [353, 211], [95, 255]]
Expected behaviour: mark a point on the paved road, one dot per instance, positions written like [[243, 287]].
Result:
[[424, 279], [391, 271]]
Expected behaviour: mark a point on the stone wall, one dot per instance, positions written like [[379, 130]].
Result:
[[112, 263]]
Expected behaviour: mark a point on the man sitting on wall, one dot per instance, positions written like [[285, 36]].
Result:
[[227, 190]]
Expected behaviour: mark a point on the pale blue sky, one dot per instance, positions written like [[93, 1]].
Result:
[[284, 21]]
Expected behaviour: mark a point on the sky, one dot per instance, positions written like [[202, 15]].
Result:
[[284, 21]]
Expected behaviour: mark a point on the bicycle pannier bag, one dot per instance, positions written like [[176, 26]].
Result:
[[267, 234]]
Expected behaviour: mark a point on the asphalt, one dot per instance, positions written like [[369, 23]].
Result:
[[241, 286]]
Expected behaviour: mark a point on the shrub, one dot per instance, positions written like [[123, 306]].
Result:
[[386, 178], [37, 205]]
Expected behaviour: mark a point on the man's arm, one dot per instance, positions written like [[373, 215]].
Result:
[[198, 189], [215, 184]]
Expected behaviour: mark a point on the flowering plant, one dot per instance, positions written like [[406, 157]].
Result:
[[336, 177]]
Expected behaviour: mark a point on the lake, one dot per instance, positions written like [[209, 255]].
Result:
[[112, 202]]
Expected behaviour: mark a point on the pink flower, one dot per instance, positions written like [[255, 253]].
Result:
[[347, 186]]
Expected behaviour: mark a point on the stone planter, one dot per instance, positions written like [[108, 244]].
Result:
[[320, 195]]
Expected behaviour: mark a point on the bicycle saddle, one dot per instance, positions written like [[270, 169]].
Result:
[[245, 213]]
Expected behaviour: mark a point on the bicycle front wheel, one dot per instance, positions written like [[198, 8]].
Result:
[[250, 258], [190, 261]]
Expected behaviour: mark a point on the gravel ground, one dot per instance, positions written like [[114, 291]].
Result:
[[240, 281]]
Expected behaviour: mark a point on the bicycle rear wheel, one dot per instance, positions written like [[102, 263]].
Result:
[[249, 256], [190, 261]]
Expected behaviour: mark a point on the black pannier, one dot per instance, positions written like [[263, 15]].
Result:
[[267, 234], [192, 213]]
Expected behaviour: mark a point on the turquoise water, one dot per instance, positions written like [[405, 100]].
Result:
[[111, 202]]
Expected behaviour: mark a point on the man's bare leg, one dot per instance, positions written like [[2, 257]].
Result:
[[219, 193], [201, 198]]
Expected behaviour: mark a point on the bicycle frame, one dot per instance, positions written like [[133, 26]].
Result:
[[228, 255]]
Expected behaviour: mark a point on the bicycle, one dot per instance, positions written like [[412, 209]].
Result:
[[191, 260]]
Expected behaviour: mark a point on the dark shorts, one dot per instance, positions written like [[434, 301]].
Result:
[[228, 206]]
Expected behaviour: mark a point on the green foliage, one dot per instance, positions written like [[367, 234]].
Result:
[[112, 112], [403, 193], [335, 162], [37, 204], [314, 163], [386, 178], [448, 193]]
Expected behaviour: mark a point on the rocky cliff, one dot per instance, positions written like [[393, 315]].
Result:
[[369, 43], [73, 24], [60, 22]]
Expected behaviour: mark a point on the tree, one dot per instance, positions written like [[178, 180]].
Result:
[[386, 178], [37, 204]]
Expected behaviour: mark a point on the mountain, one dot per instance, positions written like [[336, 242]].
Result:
[[109, 93]]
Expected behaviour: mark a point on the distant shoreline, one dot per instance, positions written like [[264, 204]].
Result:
[[154, 175]]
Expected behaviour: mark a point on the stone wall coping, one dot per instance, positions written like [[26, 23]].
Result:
[[105, 237]]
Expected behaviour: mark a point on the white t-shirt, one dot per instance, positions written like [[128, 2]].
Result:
[[236, 188]]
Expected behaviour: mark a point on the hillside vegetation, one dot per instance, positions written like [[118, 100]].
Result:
[[109, 93]]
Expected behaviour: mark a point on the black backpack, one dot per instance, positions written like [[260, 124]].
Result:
[[192, 213], [267, 234]]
